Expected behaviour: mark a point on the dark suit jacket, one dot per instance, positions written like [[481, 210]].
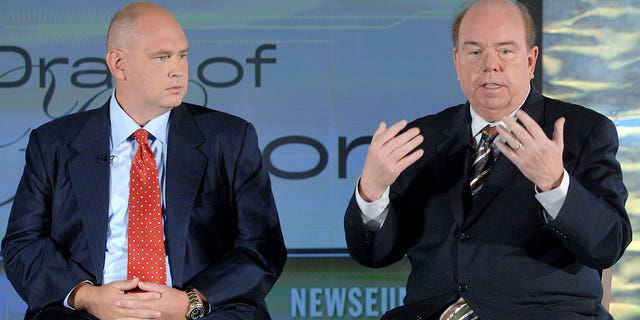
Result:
[[497, 251], [222, 230]]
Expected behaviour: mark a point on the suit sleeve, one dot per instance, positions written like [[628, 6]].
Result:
[[40, 270], [372, 248], [593, 222], [238, 283]]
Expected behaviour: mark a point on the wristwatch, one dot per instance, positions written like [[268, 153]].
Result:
[[196, 308]]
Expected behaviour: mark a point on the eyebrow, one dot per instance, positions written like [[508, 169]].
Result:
[[168, 52], [503, 43]]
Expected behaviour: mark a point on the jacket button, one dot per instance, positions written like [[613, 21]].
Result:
[[464, 237], [463, 287], [560, 233]]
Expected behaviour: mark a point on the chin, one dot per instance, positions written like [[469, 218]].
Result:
[[172, 103], [495, 103]]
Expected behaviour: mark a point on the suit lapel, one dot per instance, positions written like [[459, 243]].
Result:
[[185, 170], [90, 178], [504, 170], [454, 151]]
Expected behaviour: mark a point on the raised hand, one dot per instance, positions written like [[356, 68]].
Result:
[[536, 156], [389, 154]]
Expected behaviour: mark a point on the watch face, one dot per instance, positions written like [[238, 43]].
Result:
[[196, 313]]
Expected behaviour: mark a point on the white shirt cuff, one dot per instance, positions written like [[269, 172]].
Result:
[[373, 211], [66, 299], [553, 200]]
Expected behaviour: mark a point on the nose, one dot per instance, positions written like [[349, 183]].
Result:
[[491, 62], [176, 73], [178, 68]]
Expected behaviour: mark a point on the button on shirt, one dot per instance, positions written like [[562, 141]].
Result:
[[123, 148]]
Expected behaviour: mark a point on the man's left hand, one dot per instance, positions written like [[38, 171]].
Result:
[[527, 146], [173, 303]]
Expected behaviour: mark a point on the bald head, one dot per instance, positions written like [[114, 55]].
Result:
[[147, 55], [126, 21], [522, 9]]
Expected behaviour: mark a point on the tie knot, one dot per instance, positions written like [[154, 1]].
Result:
[[141, 135], [489, 133]]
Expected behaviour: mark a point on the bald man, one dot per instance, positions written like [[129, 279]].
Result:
[[71, 245]]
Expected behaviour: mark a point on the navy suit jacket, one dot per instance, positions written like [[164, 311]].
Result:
[[222, 230], [498, 251]]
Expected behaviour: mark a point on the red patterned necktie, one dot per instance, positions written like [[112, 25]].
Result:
[[146, 259]]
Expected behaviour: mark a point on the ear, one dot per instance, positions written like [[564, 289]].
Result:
[[531, 60], [116, 61]]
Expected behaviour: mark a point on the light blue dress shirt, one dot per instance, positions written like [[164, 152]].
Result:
[[123, 148]]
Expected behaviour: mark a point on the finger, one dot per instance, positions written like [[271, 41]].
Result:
[[381, 128], [151, 286], [406, 140], [133, 306], [519, 132], [507, 151], [138, 309], [125, 285], [140, 314], [405, 147], [510, 139], [392, 131], [391, 147], [142, 296], [533, 128], [558, 133], [409, 159]]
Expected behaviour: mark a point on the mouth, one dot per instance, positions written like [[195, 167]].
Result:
[[491, 86], [175, 88]]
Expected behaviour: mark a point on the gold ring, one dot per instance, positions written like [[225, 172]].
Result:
[[518, 146]]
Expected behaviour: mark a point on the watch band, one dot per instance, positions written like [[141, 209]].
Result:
[[196, 309]]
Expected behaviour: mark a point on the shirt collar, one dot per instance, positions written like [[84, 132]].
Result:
[[122, 126], [478, 123]]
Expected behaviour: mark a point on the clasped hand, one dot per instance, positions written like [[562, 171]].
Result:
[[111, 301]]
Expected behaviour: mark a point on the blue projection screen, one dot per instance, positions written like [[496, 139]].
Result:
[[314, 77]]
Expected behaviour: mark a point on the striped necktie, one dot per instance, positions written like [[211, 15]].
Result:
[[484, 159], [460, 310]]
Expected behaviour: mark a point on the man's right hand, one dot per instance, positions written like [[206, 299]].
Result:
[[101, 301], [389, 154]]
